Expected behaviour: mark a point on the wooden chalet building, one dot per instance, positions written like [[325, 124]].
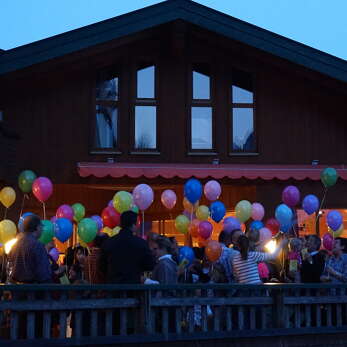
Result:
[[165, 93]]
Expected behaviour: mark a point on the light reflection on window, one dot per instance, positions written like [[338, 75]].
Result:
[[107, 89], [105, 126], [243, 130], [201, 128], [146, 83], [145, 127]]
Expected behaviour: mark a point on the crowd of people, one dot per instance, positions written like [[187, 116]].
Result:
[[129, 259]]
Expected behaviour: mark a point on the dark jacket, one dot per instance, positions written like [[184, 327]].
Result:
[[165, 272], [311, 273], [124, 257]]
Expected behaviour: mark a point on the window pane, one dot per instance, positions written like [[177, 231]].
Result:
[[201, 128], [107, 89], [145, 127], [242, 87], [243, 130], [201, 82], [106, 127], [145, 83]]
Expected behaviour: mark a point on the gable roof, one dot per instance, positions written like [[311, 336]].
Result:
[[164, 12]]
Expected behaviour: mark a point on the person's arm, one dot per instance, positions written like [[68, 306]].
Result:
[[43, 272], [341, 276]]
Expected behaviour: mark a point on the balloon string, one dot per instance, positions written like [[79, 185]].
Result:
[[143, 224], [44, 210], [25, 196], [5, 214], [322, 202]]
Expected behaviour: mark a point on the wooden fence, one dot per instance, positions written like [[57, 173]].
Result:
[[110, 314]]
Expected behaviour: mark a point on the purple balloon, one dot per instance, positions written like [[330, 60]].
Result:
[[143, 196], [231, 223], [97, 219], [334, 219], [310, 204], [54, 253], [291, 196], [65, 211]]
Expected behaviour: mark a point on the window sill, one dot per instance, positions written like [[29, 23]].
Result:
[[103, 152], [243, 154], [145, 153], [202, 153]]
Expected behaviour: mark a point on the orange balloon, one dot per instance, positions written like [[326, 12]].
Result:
[[213, 250], [202, 242], [189, 207], [193, 228]]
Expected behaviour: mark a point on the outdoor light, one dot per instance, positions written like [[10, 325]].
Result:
[[271, 246], [9, 245]]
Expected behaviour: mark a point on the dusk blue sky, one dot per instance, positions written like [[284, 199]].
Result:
[[318, 23]]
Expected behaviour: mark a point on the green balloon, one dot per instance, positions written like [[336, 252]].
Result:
[[328, 177], [87, 230], [135, 209], [79, 211], [25, 180], [47, 231]]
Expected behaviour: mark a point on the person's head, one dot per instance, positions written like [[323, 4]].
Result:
[[225, 238], [128, 220], [32, 224], [80, 255], [339, 246], [99, 239], [163, 247], [295, 245], [253, 235], [174, 244], [243, 244], [235, 234], [313, 243], [75, 272]]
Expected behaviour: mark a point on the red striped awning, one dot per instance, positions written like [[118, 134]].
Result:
[[233, 171]]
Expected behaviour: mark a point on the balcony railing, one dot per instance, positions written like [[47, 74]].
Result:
[[109, 314]]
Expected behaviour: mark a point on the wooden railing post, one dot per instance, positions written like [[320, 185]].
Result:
[[278, 308], [147, 312]]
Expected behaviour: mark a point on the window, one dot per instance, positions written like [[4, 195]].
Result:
[[242, 113], [201, 121], [1, 116], [106, 112], [145, 108]]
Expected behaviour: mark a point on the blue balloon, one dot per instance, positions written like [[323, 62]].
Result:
[[186, 254], [286, 227], [62, 229], [334, 219], [310, 204], [193, 190], [284, 214], [21, 220], [256, 225], [218, 210]]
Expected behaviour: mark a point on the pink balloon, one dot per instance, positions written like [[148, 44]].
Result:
[[143, 196], [212, 190], [328, 242], [265, 235], [257, 211], [65, 211], [205, 229], [54, 253], [42, 188], [168, 198]]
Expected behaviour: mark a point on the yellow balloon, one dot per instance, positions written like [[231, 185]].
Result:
[[203, 212], [116, 230], [189, 207], [182, 224], [338, 232], [123, 201], [7, 230], [7, 196]]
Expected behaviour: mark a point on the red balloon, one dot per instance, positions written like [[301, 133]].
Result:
[[42, 188], [205, 229], [273, 225], [213, 250], [110, 217], [65, 211]]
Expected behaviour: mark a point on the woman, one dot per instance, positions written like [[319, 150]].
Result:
[[245, 264]]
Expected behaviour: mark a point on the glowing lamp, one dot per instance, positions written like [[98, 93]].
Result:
[[9, 245], [271, 246]]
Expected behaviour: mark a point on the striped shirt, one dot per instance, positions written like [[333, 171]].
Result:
[[246, 271]]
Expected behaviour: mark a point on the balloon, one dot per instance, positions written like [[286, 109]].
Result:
[[79, 212], [205, 229], [194, 228], [213, 250], [243, 210], [65, 211], [283, 214], [182, 223], [231, 223], [42, 188], [328, 242], [62, 229], [202, 242], [7, 196], [122, 201], [186, 256], [310, 204], [54, 253], [97, 219], [110, 203], [110, 217], [212, 190], [87, 229], [291, 196], [257, 211], [265, 235], [286, 227], [256, 225], [53, 219], [273, 225], [107, 231], [143, 196], [189, 207], [168, 198], [338, 232], [25, 180], [193, 190], [203, 212], [7, 230], [328, 177], [218, 210], [47, 232], [334, 220], [189, 215], [21, 220]]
